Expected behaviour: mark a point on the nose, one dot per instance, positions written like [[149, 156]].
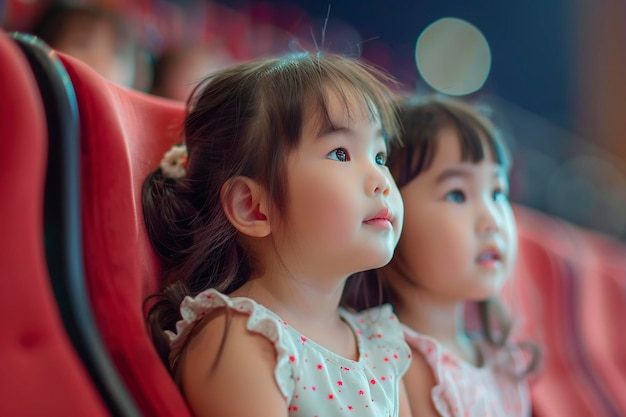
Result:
[[377, 183], [489, 220]]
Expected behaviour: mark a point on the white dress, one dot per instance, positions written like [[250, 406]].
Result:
[[313, 380]]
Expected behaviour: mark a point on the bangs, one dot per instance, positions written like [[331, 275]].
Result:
[[421, 126], [473, 137], [306, 83]]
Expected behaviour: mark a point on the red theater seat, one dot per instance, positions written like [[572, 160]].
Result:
[[124, 135], [570, 290], [42, 374]]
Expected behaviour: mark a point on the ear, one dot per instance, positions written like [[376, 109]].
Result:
[[246, 205]]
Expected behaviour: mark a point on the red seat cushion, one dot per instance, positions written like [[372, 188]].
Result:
[[124, 134], [41, 372]]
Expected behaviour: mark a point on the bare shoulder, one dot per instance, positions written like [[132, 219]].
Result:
[[419, 381], [228, 370]]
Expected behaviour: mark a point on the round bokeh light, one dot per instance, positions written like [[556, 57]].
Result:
[[453, 56]]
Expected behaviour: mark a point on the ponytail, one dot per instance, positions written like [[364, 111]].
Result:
[[198, 251], [167, 217]]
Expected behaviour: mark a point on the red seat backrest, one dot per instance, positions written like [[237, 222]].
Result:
[[569, 291], [41, 372], [124, 134]]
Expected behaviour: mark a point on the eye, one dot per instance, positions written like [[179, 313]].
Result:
[[381, 158], [500, 196], [455, 196], [339, 154]]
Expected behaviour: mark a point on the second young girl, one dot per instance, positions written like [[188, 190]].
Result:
[[458, 245], [281, 194]]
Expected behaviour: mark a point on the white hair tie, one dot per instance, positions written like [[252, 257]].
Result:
[[174, 162]]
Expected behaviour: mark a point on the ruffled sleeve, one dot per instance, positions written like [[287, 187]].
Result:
[[261, 321], [462, 389], [383, 337], [443, 394]]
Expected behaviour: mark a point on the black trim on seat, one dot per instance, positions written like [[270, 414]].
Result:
[[62, 223]]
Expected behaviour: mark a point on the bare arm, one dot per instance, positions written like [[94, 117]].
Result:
[[242, 382], [419, 382]]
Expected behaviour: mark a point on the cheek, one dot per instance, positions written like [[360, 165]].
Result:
[[510, 225], [432, 243], [396, 204], [511, 235], [320, 208], [415, 242]]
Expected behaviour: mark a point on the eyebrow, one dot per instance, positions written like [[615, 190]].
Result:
[[451, 173], [464, 173]]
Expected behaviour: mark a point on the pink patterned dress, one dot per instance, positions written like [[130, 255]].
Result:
[[464, 390], [313, 380]]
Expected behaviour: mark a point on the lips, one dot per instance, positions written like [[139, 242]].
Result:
[[489, 256], [381, 218]]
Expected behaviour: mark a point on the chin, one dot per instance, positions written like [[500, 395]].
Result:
[[477, 297], [485, 292], [375, 260]]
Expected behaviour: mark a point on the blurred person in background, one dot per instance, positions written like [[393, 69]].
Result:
[[178, 69], [96, 36]]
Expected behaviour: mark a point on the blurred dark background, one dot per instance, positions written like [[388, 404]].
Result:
[[531, 41], [555, 78]]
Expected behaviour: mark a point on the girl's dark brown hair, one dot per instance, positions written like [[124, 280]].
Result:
[[242, 121], [421, 121]]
